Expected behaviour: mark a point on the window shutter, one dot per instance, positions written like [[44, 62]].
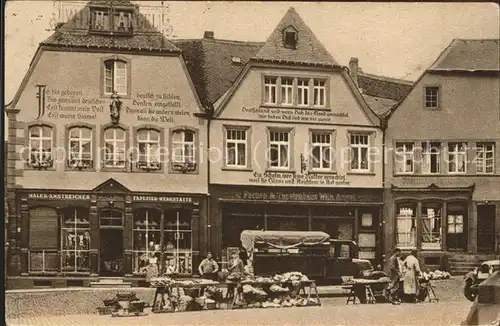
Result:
[[43, 228], [121, 77]]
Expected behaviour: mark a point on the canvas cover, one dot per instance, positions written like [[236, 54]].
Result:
[[283, 239]]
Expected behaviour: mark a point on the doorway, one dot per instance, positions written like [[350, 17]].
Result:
[[111, 252], [486, 230]]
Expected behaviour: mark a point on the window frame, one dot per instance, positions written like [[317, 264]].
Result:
[[404, 154], [111, 218], [324, 88], [438, 95], [75, 229], [248, 142], [270, 86], [301, 89], [371, 136], [456, 153], [27, 144], [413, 204], [111, 20], [128, 65], [291, 133], [332, 133], [484, 151], [428, 145], [289, 90], [161, 145], [92, 161], [102, 160], [428, 203], [191, 168]]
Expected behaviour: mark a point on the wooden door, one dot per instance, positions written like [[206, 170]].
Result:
[[486, 230]]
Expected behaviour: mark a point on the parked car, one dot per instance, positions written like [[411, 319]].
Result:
[[478, 275], [486, 308]]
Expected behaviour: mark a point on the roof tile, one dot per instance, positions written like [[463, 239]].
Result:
[[470, 55]]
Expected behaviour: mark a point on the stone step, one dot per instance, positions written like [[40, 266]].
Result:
[[110, 285], [110, 280]]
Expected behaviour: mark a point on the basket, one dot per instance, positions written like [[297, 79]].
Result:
[[105, 310]]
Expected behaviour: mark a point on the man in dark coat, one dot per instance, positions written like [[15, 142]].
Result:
[[392, 290]]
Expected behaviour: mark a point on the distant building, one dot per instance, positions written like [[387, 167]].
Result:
[[442, 176]]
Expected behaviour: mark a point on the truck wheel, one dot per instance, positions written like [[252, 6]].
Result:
[[469, 294]]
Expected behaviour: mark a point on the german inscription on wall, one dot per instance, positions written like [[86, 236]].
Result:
[[295, 114], [157, 107], [284, 178]]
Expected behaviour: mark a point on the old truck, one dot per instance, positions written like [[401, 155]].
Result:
[[312, 253]]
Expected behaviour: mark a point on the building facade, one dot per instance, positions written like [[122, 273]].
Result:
[[442, 178], [105, 164]]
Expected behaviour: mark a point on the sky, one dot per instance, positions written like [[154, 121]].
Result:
[[395, 40]]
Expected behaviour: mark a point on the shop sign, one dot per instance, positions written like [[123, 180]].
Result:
[[295, 114], [110, 198], [301, 196], [299, 179], [163, 199], [58, 196]]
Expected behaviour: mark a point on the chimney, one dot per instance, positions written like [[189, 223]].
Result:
[[208, 34], [353, 69]]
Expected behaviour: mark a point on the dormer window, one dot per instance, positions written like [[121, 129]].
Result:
[[117, 21], [290, 37]]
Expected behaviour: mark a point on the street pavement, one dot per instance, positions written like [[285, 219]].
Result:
[[334, 311]]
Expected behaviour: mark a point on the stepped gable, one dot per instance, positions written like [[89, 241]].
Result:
[[308, 50], [75, 32]]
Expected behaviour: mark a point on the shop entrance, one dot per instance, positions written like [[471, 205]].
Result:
[[486, 228], [111, 252]]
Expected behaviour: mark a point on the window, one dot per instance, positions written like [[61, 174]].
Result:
[[279, 149], [146, 237], [149, 149], [178, 245], [455, 224], [287, 91], [406, 228], [80, 147], [404, 157], [40, 146], [431, 226], [100, 21], [115, 77], [431, 97], [43, 240], [183, 146], [103, 22], [303, 92], [114, 144], [236, 147], [321, 155], [270, 90], [319, 93], [75, 233], [359, 145], [485, 158], [431, 157], [110, 217], [457, 157], [290, 39]]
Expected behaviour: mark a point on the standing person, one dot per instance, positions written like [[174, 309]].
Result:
[[152, 267], [208, 268], [237, 265], [410, 280], [392, 290], [243, 256]]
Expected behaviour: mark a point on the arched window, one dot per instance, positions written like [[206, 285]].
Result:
[[80, 147], [75, 238], [40, 146], [115, 146], [148, 141], [43, 237], [115, 77]]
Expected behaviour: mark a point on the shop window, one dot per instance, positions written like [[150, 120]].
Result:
[[148, 141], [431, 226], [279, 149], [404, 158], [115, 77], [115, 146], [321, 150], [80, 147], [183, 150], [75, 234], [431, 99], [431, 157], [43, 240], [146, 237], [40, 146], [485, 158], [270, 90], [457, 157], [111, 217], [359, 146], [178, 240], [319, 92], [286, 91], [406, 227], [303, 92], [236, 147]]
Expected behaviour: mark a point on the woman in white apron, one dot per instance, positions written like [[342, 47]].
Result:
[[412, 271]]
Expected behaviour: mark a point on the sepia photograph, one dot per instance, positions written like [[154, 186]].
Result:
[[251, 163]]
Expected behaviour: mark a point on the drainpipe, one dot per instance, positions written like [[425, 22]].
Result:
[[383, 121]]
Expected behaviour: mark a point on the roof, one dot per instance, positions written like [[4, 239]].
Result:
[[469, 55], [379, 105], [74, 33], [211, 66], [309, 49]]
